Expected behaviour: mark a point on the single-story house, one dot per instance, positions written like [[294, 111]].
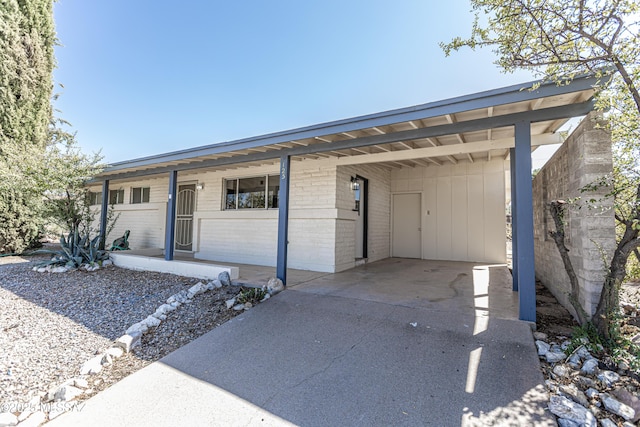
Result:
[[427, 181]]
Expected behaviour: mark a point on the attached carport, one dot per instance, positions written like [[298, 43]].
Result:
[[504, 123]]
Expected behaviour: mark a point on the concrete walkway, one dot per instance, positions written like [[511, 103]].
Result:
[[313, 358]]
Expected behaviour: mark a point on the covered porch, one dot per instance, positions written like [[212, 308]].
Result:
[[503, 124]]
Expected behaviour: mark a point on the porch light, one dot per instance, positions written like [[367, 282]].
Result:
[[200, 186], [355, 185]]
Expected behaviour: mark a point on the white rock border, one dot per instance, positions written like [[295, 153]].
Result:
[[61, 399]]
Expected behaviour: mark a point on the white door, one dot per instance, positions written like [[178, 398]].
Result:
[[407, 236]]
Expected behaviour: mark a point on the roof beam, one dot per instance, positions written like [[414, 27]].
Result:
[[445, 150], [552, 113]]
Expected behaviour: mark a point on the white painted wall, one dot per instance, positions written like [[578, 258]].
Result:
[[463, 209]]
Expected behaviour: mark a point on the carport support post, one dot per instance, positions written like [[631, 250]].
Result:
[[283, 218], [104, 211], [514, 257], [524, 223], [170, 228]]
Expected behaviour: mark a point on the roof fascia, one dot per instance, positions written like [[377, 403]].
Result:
[[554, 113], [501, 96]]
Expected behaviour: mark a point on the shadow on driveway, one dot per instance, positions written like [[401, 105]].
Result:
[[319, 360]]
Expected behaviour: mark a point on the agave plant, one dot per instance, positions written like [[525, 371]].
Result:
[[76, 250]]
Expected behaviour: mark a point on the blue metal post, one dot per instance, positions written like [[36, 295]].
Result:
[[524, 224], [104, 210], [283, 218], [514, 223], [170, 228]]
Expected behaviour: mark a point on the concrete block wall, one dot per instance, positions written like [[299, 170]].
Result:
[[583, 158]]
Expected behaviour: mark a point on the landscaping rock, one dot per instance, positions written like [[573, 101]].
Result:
[[592, 393], [569, 410], [238, 307], [266, 297], [589, 367], [115, 352], [196, 289], [128, 341], [555, 355], [7, 419], [275, 285], [561, 370], [608, 378], [572, 392], [583, 353], [151, 322], [586, 382], [224, 278], [541, 336], [563, 422], [230, 303], [137, 328], [66, 393], [624, 396], [80, 383], [606, 422], [574, 361], [92, 366], [616, 407], [34, 420], [543, 347]]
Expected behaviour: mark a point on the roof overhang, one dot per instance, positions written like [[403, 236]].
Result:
[[463, 129]]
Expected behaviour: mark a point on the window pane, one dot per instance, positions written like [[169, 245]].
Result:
[[116, 197], [274, 188], [251, 193], [95, 198], [145, 194], [136, 195], [230, 194]]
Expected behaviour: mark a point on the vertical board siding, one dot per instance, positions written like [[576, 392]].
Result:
[[463, 212]]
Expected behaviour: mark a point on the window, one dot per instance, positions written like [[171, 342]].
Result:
[[95, 198], [116, 197], [140, 195], [252, 193]]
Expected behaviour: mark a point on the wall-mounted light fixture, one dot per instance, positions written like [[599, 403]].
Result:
[[355, 185], [200, 186]]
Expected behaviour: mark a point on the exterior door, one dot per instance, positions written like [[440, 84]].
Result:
[[407, 235], [185, 207]]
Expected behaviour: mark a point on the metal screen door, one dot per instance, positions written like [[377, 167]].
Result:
[[185, 207]]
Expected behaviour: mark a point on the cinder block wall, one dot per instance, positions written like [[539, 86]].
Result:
[[584, 157]]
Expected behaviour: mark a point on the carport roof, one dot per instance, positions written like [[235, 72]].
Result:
[[462, 129]]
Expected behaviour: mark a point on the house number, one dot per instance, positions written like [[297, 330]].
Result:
[[283, 173]]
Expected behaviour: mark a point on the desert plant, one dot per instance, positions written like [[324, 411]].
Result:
[[252, 295], [76, 250]]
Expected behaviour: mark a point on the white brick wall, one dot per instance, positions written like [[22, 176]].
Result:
[[379, 213]]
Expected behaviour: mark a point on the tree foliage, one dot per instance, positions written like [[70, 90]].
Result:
[[42, 170], [26, 63], [559, 40]]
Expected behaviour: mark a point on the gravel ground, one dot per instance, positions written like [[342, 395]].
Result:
[[52, 323]]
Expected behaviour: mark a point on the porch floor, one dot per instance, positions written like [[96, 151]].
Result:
[[483, 290]]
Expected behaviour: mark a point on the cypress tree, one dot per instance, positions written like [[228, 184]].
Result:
[[27, 38]]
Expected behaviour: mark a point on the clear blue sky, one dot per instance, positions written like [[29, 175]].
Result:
[[145, 77]]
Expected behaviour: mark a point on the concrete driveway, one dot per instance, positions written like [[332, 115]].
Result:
[[313, 357]]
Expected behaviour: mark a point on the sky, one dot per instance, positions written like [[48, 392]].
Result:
[[138, 78]]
